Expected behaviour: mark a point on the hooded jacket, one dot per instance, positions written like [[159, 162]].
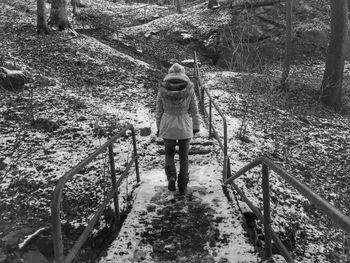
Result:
[[176, 107]]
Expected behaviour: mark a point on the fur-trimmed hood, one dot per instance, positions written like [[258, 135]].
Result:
[[175, 92]]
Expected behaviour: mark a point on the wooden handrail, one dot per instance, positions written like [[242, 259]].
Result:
[[202, 91], [57, 196], [341, 220], [245, 169]]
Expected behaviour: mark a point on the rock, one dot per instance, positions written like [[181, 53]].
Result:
[[78, 4], [316, 37], [186, 38], [82, 118], [45, 125], [34, 257], [151, 208], [150, 33], [147, 35], [311, 40], [145, 131], [12, 80]]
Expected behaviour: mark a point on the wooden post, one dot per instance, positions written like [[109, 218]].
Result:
[[135, 154], [267, 217], [114, 185], [224, 177], [56, 226], [288, 44], [74, 3], [210, 117]]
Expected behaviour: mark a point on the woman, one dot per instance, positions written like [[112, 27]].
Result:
[[176, 101]]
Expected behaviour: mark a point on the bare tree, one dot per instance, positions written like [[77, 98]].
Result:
[[42, 27], [331, 88], [58, 15], [288, 44], [178, 6]]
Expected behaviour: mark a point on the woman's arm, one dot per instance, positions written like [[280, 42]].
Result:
[[194, 111], [159, 109]]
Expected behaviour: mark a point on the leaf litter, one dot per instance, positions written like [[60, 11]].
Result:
[[303, 137]]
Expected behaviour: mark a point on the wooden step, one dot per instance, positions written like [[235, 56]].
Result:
[[194, 141], [194, 150]]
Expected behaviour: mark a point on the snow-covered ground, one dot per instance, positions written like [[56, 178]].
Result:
[[84, 86], [290, 210], [163, 226]]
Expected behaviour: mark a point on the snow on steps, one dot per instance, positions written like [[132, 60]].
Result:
[[199, 146], [163, 226]]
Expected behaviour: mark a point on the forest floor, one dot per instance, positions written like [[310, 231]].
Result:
[[83, 90]]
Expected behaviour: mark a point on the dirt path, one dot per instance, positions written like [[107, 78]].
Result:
[[201, 226]]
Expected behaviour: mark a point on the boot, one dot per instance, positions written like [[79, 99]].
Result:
[[182, 183], [170, 172]]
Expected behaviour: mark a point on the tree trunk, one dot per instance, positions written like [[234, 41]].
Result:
[[331, 88], [178, 6], [41, 23], [74, 4], [212, 3], [58, 15], [288, 45]]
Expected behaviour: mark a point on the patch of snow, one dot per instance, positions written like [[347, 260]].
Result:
[[129, 245], [20, 245], [116, 53], [186, 36]]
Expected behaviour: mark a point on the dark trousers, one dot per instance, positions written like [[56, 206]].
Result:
[[184, 147]]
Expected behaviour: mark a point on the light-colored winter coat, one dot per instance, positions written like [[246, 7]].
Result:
[[177, 111]]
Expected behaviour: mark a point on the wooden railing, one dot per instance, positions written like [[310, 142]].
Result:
[[341, 220], [202, 92], [113, 194]]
